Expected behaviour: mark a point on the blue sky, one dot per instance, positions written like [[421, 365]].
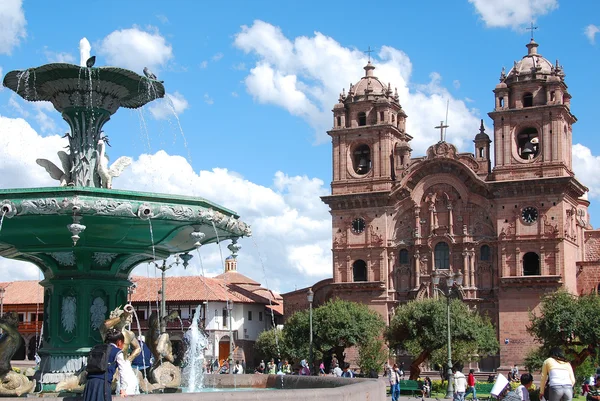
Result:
[[253, 84]]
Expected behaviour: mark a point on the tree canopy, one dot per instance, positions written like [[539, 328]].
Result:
[[271, 344], [569, 322], [337, 325], [420, 327]]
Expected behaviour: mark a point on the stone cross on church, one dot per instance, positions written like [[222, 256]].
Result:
[[441, 127]]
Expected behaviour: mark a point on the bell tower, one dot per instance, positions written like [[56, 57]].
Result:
[[532, 120], [370, 145], [368, 124]]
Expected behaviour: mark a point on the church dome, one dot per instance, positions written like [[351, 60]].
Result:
[[531, 64], [369, 84]]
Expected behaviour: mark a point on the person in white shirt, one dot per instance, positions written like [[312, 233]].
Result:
[[460, 385], [337, 371], [523, 389], [558, 373], [129, 382]]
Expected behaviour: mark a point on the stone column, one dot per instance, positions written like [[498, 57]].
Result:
[[519, 265], [450, 219], [348, 269], [390, 276], [431, 217], [417, 210], [467, 277], [472, 267], [417, 269]]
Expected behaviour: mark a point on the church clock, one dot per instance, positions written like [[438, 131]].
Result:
[[358, 225], [529, 214]]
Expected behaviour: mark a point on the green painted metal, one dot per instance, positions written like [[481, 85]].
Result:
[[87, 239]]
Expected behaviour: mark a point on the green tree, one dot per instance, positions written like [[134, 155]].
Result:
[[371, 356], [420, 327], [271, 344], [569, 322], [337, 325]]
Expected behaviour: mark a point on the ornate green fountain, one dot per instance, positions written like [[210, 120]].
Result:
[[84, 236]]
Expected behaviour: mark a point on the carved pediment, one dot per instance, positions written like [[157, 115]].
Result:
[[442, 149]]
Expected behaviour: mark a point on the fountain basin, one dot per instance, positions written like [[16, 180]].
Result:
[[117, 227], [287, 387]]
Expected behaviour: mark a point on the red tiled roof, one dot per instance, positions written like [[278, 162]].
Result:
[[233, 277], [186, 288], [23, 292], [179, 289]]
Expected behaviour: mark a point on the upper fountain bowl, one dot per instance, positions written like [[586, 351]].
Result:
[[69, 85]]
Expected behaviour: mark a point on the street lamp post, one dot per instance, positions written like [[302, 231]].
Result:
[[163, 299], [230, 358], [452, 282], [1, 303], [310, 296]]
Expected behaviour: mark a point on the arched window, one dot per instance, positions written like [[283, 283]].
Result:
[[527, 99], [403, 256], [531, 264], [362, 119], [484, 253], [362, 159], [442, 256], [528, 143], [481, 154], [359, 270], [339, 121]]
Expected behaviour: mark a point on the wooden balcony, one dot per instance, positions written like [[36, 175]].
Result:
[[30, 327]]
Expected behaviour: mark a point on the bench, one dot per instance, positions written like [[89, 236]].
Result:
[[410, 385], [484, 388]]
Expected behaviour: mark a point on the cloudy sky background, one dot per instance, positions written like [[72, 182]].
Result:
[[250, 93]]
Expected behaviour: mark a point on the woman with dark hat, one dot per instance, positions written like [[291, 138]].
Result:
[[557, 377]]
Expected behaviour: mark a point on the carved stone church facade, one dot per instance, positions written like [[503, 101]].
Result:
[[515, 231]]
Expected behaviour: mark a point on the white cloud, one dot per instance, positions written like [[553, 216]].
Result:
[[305, 75], [162, 18], [12, 25], [58, 57], [291, 226], [456, 83], [208, 99], [172, 104], [234, 94], [512, 13], [135, 49], [36, 109], [13, 102], [591, 31], [204, 64], [239, 67], [217, 57], [585, 166]]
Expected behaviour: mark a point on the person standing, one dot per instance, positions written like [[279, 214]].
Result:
[[460, 385], [286, 368], [271, 367], [515, 373], [97, 387], [144, 361], [471, 385], [558, 374], [394, 377]]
